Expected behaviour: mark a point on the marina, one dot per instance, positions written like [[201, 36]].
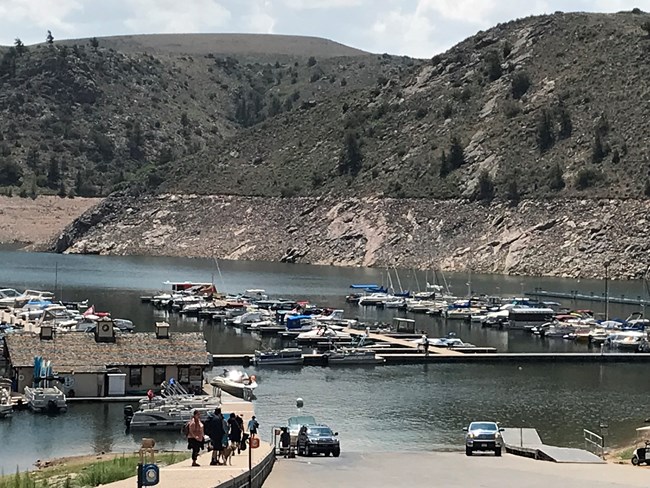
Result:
[[565, 386]]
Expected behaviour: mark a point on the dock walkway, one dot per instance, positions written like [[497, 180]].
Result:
[[527, 442], [183, 474], [394, 341]]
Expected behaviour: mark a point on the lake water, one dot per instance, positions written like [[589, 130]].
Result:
[[377, 408]]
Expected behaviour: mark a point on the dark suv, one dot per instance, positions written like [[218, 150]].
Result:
[[483, 436], [316, 439]]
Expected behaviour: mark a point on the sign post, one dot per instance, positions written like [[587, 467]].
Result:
[[148, 472], [253, 443]]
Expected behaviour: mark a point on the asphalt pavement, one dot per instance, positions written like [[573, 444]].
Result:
[[448, 469]]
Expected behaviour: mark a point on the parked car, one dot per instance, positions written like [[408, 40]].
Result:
[[483, 436], [317, 439]]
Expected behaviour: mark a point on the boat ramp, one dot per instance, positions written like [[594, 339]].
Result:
[[527, 442]]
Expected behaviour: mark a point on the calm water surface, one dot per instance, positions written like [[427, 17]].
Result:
[[381, 408]]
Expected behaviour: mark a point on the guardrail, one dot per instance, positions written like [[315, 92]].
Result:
[[257, 477], [594, 443]]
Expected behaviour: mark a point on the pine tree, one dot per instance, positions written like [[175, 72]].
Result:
[[351, 158], [456, 154], [444, 165], [545, 136], [20, 47], [556, 178], [50, 38]]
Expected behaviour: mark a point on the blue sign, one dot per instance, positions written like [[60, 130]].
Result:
[[150, 474]]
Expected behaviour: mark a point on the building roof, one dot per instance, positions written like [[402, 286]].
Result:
[[79, 352]]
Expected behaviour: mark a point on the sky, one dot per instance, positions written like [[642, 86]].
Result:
[[416, 28]]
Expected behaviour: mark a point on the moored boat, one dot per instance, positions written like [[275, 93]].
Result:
[[282, 357], [45, 399], [236, 383], [353, 356], [6, 405]]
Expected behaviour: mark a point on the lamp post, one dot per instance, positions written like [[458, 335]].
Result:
[[606, 291]]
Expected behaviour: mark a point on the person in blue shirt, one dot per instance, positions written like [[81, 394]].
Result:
[[253, 425]]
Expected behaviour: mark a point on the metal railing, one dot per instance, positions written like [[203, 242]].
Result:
[[594, 443]]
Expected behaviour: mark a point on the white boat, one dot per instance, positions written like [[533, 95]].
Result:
[[374, 299], [353, 356], [281, 357], [236, 383], [630, 340], [323, 332], [173, 394], [165, 417], [8, 297], [6, 406], [449, 341], [45, 399]]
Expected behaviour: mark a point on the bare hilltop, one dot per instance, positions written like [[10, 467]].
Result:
[[520, 150]]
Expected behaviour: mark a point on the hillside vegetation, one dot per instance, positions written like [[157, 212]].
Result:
[[535, 108], [85, 119]]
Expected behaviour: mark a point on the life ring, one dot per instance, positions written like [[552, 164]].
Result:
[[105, 327], [21, 377]]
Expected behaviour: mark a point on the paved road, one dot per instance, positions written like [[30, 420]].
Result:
[[379, 470]]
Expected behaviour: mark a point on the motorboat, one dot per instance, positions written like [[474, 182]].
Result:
[[353, 356], [450, 341], [282, 357], [8, 297], [374, 299], [45, 399], [323, 332], [236, 383], [163, 417], [6, 406], [173, 394], [627, 340]]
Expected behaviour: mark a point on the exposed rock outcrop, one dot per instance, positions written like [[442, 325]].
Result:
[[567, 238]]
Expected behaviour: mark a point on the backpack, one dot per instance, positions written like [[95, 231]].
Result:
[[185, 430]]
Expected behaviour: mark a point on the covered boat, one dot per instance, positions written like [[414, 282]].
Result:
[[281, 357]]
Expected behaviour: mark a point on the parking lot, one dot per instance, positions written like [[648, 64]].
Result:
[[448, 469]]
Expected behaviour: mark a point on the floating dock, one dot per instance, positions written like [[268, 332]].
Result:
[[479, 358], [589, 297]]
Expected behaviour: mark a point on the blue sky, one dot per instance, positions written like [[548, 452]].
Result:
[[418, 28]]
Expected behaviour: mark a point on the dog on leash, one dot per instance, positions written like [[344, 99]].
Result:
[[226, 454]]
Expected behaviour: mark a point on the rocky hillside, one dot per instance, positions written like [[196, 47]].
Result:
[[562, 237], [540, 107], [518, 151], [86, 119]]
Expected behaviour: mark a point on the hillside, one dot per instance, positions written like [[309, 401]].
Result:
[[240, 45], [535, 108], [87, 119], [520, 150]]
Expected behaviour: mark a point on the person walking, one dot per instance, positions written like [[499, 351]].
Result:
[[425, 344], [195, 435], [214, 429], [253, 425], [285, 442], [235, 431]]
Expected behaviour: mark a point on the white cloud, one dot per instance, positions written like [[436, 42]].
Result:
[[321, 4], [260, 18], [172, 16], [41, 13], [483, 12], [404, 32]]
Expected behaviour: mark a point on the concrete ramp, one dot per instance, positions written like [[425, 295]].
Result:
[[527, 442]]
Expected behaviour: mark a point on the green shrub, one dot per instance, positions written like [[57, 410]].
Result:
[[485, 187], [586, 178], [545, 135], [556, 178], [520, 84]]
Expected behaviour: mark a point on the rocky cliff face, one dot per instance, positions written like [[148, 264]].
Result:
[[568, 238]]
